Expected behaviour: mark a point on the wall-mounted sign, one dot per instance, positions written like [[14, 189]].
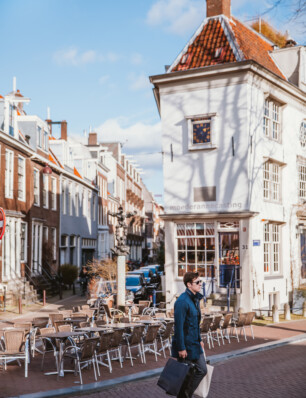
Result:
[[256, 242], [2, 222]]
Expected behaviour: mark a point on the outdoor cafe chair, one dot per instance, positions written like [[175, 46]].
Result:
[[57, 324], [238, 324], [164, 336], [102, 350], [64, 328], [15, 348], [40, 322], [134, 340], [47, 345], [248, 321], [115, 344], [85, 354], [150, 340], [55, 317], [215, 329], [225, 326], [205, 330]]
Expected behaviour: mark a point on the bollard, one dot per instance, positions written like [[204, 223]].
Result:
[[275, 315], [287, 312], [304, 309], [44, 297], [20, 305], [154, 297]]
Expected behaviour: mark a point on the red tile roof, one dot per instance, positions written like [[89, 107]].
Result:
[[254, 47], [221, 41], [201, 52]]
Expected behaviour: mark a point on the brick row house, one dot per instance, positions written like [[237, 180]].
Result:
[[28, 195], [233, 112], [56, 193]]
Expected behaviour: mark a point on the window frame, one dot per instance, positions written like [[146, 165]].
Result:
[[23, 246], [9, 174], [21, 176], [53, 242], [272, 243], [53, 193], [271, 181], [272, 118], [45, 191], [36, 187], [302, 134]]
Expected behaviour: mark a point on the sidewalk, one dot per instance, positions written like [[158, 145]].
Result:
[[13, 382]]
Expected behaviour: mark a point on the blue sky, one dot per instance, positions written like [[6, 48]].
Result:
[[89, 61]]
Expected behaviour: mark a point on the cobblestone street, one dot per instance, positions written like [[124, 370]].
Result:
[[274, 373]]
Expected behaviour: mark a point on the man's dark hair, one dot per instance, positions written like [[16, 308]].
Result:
[[189, 277]]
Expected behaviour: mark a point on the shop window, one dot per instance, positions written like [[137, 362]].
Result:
[[195, 248]]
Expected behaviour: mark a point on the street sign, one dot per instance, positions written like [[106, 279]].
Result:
[[256, 242], [2, 222]]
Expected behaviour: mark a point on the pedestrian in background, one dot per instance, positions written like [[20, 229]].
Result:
[[84, 280], [187, 344]]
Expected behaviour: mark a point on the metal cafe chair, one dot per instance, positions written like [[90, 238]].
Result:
[[15, 348]]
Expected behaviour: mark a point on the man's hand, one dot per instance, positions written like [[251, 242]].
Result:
[[182, 354], [202, 345]]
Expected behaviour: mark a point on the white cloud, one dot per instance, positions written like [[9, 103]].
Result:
[[138, 137], [177, 16], [139, 82], [72, 56], [103, 79]]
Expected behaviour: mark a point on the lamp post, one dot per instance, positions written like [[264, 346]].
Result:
[[120, 251]]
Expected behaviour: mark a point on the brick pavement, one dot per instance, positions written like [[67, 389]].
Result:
[[276, 373]]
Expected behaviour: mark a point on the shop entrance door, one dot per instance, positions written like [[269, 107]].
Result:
[[229, 259]]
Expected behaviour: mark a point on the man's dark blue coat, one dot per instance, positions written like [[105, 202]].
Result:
[[187, 317]]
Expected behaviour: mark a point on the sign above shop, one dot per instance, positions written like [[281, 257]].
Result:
[[2, 222]]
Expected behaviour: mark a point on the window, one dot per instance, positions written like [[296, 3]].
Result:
[[9, 173], [69, 198], [302, 179], [21, 178], [36, 187], [76, 200], [45, 191], [53, 242], [89, 204], [303, 134], [271, 248], [53, 193], [11, 120], [271, 181], [94, 207], [84, 202], [45, 140], [39, 137], [200, 132], [195, 248], [271, 120], [64, 203], [23, 242]]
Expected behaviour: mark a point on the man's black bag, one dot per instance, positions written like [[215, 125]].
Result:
[[173, 376]]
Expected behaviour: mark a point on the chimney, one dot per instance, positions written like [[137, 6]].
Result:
[[92, 139], [64, 130], [218, 7]]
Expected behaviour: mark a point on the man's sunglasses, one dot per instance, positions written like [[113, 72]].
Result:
[[198, 282]]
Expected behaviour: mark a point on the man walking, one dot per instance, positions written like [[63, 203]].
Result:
[[187, 344]]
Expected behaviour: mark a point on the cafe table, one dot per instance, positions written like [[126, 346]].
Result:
[[123, 325], [94, 329], [59, 338]]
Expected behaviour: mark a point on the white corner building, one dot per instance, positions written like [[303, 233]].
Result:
[[232, 107]]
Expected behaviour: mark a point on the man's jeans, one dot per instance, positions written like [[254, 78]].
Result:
[[193, 378]]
